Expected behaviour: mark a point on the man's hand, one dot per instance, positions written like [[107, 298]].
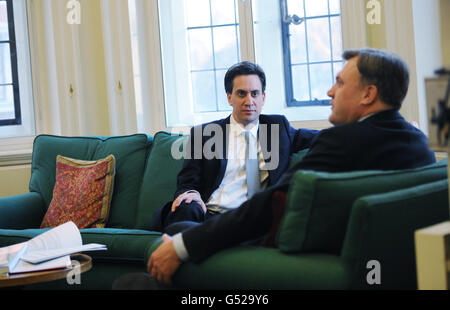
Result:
[[188, 197], [164, 262]]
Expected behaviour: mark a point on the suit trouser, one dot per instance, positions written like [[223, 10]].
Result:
[[185, 216]]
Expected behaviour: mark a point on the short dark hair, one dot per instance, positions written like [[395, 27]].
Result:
[[243, 68], [387, 71]]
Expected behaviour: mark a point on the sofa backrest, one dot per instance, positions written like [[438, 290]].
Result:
[[160, 176], [130, 153], [381, 230], [319, 203]]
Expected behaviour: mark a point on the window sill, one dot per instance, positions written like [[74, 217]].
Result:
[[16, 151]]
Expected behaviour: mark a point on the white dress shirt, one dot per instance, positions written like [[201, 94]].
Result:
[[232, 191]]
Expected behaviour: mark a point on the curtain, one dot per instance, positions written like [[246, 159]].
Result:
[[82, 73]]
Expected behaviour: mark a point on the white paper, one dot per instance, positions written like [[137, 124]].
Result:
[[37, 257], [62, 262], [64, 236], [52, 249]]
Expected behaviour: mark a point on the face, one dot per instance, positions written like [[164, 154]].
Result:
[[247, 99], [347, 95]]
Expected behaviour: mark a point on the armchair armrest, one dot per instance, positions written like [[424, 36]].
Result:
[[381, 228], [22, 211]]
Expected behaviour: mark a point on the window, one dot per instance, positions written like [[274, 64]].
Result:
[[9, 84], [312, 45], [16, 99], [201, 39], [213, 46]]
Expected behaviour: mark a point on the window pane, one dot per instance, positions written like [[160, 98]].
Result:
[[300, 83], [5, 61], [316, 7], [223, 12], [298, 43], [200, 49], [4, 35], [197, 13], [6, 103], [337, 67], [225, 46], [204, 90], [335, 7], [321, 81], [336, 30], [296, 7], [221, 95], [318, 40]]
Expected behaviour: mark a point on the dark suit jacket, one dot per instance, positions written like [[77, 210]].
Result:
[[205, 175], [384, 141]]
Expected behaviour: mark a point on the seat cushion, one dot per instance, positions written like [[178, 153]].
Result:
[[250, 267], [160, 177], [319, 203], [122, 244]]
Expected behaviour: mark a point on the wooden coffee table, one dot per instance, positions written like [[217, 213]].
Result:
[[84, 264]]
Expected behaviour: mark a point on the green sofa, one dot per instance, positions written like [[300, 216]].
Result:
[[326, 238]]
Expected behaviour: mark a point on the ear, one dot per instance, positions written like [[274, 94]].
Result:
[[229, 99], [370, 94]]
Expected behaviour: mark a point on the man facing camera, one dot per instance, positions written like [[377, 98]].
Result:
[[230, 159], [369, 134]]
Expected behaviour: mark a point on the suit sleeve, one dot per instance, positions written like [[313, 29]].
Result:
[[190, 176], [329, 152], [300, 138], [254, 217]]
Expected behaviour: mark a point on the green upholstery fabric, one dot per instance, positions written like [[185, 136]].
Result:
[[130, 154], [296, 157], [248, 267], [122, 244], [45, 150], [22, 211], [160, 177], [319, 203], [381, 227]]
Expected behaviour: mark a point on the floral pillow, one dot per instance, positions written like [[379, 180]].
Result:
[[82, 192]]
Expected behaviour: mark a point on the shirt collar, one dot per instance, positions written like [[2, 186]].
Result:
[[238, 129], [367, 116]]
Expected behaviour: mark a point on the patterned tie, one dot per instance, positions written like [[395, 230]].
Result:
[[251, 167]]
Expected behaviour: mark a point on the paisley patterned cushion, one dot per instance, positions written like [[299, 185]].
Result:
[[82, 192]]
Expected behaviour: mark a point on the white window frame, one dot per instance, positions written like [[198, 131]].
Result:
[[27, 128], [353, 14]]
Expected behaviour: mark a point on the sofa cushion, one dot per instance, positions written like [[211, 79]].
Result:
[[374, 232], [250, 268], [82, 192], [319, 203], [160, 177], [122, 244], [130, 154]]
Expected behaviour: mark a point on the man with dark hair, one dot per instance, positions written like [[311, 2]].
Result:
[[220, 178], [369, 134]]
